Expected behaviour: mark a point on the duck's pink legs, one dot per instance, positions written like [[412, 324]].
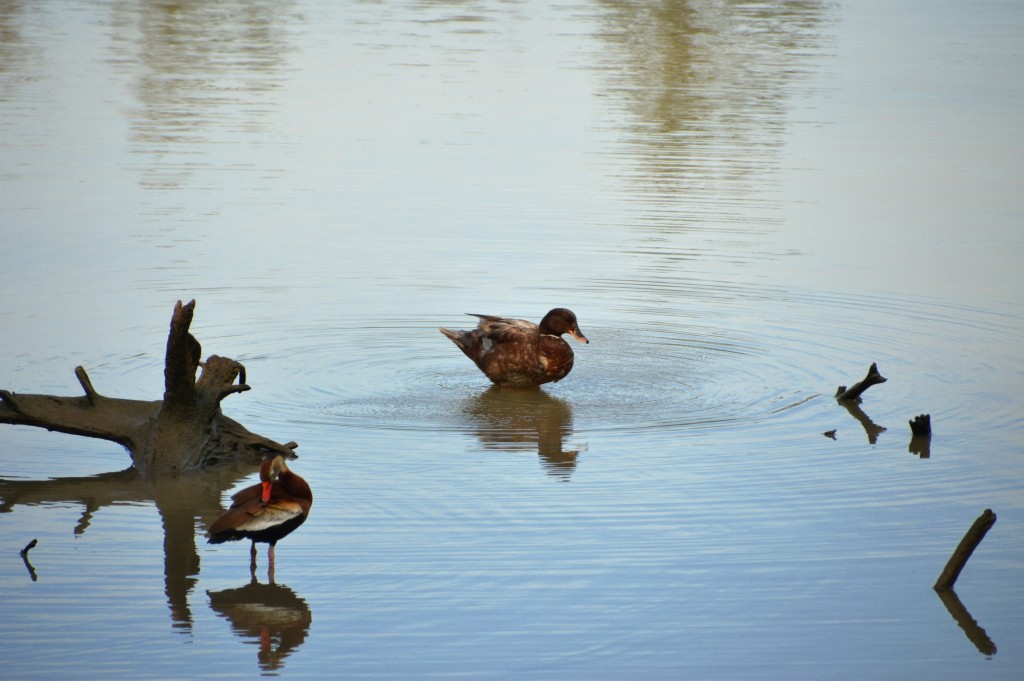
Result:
[[270, 570]]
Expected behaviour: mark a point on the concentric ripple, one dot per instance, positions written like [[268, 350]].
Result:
[[778, 359]]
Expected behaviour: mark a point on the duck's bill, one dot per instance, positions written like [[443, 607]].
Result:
[[578, 335]]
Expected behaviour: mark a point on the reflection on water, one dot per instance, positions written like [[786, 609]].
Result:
[[705, 87], [872, 429], [181, 503], [270, 615], [920, 445], [518, 420], [19, 58], [974, 631], [199, 72]]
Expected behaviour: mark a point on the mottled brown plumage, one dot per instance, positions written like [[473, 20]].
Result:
[[516, 353], [267, 511]]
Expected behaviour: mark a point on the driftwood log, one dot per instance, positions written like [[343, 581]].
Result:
[[855, 390], [183, 432]]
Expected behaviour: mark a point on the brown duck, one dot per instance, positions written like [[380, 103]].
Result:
[[265, 512], [515, 353]]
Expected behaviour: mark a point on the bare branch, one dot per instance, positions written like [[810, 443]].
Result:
[[964, 549], [90, 392], [873, 378]]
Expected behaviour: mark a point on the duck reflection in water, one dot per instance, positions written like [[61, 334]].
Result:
[[518, 420], [270, 614]]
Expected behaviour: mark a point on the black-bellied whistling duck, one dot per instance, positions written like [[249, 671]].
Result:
[[516, 353], [266, 512]]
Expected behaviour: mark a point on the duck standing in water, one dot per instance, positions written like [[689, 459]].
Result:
[[265, 512], [515, 353]]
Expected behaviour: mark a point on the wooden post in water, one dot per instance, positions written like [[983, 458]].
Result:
[[964, 550]]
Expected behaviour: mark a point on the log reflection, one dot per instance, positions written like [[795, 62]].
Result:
[[921, 446], [975, 633], [271, 615], [183, 503], [872, 429], [521, 420]]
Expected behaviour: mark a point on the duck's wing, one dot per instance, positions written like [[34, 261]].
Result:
[[242, 497], [504, 329], [254, 517], [246, 508], [277, 512]]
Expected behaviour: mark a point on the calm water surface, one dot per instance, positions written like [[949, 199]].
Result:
[[746, 204]]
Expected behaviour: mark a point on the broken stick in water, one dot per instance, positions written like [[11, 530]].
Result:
[[24, 556], [921, 438], [964, 550], [921, 424], [854, 391]]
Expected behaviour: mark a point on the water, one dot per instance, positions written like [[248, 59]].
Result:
[[745, 204]]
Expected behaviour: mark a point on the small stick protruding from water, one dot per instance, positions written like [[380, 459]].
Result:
[[24, 557], [28, 547], [854, 391], [964, 550]]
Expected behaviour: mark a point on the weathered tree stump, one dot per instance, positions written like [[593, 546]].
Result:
[[921, 424], [185, 431], [921, 436]]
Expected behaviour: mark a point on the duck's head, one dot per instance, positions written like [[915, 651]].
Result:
[[270, 470], [561, 320]]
